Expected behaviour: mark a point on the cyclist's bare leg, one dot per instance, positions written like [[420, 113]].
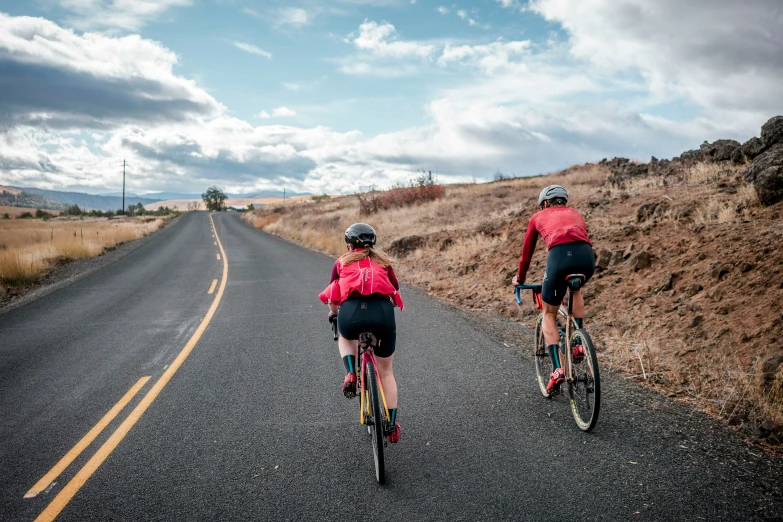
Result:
[[347, 347], [387, 379], [579, 305], [549, 325]]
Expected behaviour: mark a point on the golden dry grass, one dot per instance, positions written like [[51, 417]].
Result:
[[15, 211], [29, 247]]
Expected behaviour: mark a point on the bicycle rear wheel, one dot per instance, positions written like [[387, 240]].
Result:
[[543, 364], [585, 389], [376, 422]]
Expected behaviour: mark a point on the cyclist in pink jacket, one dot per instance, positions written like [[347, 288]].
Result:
[[362, 294]]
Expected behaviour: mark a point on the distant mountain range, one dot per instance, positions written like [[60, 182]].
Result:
[[58, 200]]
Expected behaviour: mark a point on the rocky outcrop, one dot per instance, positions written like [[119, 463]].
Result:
[[752, 148], [772, 132], [766, 171], [720, 150], [405, 245]]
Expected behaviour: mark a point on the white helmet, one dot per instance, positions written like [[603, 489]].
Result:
[[551, 192]]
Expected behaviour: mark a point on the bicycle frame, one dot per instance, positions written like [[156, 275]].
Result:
[[366, 354], [569, 324]]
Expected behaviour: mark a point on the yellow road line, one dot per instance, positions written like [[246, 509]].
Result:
[[61, 500], [212, 286], [86, 440]]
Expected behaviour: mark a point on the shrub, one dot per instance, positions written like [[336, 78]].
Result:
[[73, 210], [420, 190], [40, 214], [25, 215], [6, 215]]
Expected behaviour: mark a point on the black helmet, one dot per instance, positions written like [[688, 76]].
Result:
[[360, 235]]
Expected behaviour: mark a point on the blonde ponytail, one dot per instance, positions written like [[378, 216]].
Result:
[[378, 256]]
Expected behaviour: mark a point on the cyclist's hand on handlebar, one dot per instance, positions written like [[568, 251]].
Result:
[[516, 282], [332, 317]]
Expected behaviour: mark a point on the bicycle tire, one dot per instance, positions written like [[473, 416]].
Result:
[[376, 422], [585, 390], [542, 362]]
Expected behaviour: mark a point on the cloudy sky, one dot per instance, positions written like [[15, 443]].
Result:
[[340, 95]]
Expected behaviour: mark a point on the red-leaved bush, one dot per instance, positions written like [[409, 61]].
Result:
[[420, 190]]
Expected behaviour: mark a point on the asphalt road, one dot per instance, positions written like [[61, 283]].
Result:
[[252, 426]]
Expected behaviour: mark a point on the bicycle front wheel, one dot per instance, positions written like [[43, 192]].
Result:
[[376, 422], [584, 390], [543, 364]]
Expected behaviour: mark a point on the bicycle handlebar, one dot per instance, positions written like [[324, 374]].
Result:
[[518, 289]]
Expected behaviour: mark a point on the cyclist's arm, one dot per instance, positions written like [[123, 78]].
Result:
[[393, 279], [528, 247]]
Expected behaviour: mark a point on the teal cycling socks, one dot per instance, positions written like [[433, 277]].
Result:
[[392, 415], [552, 349], [579, 322], [350, 363]]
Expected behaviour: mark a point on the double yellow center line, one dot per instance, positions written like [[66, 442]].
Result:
[[63, 497]]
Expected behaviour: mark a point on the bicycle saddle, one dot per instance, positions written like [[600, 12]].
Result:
[[575, 281]]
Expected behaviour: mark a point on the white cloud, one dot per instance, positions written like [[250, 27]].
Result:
[[265, 115], [57, 78], [252, 49], [382, 40], [443, 10], [720, 54], [283, 112], [116, 14], [293, 16], [490, 57]]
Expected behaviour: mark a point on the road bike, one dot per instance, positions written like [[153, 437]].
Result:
[[580, 366], [373, 411]]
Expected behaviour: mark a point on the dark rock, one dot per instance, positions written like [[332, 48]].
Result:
[[405, 245], [772, 132], [766, 173], [769, 368], [446, 243], [624, 169], [665, 283], [692, 290], [640, 261], [723, 149], [617, 257], [696, 321], [645, 211], [737, 157], [628, 251], [752, 148], [693, 156], [719, 270], [747, 267], [770, 426], [603, 257], [739, 418]]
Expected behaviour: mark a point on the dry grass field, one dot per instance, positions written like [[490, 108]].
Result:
[[15, 211], [695, 323], [30, 247]]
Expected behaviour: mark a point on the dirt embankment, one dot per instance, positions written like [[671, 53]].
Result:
[[690, 281]]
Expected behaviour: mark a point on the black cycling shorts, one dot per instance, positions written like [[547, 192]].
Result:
[[373, 313], [564, 260]]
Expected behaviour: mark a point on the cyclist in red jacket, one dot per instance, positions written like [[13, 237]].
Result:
[[362, 294], [570, 252]]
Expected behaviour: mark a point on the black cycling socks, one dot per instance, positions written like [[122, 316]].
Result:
[[350, 363], [580, 322], [392, 416], [552, 349]]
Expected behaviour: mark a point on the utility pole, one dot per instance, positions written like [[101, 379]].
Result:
[[283, 197], [123, 187]]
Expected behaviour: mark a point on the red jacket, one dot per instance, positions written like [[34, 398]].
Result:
[[362, 277], [558, 226]]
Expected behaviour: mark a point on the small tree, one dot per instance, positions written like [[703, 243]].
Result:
[[214, 198], [250, 207], [73, 210]]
